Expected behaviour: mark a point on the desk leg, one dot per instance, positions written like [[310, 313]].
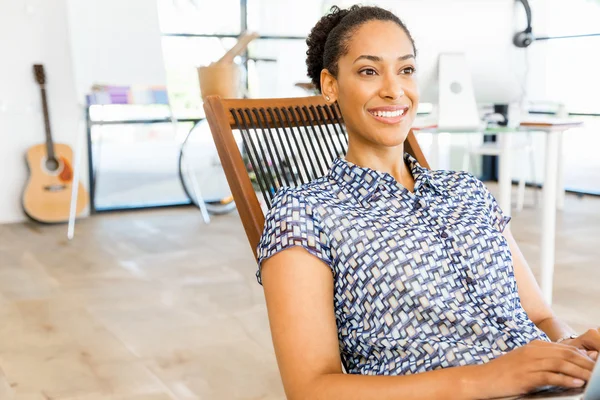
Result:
[[435, 151], [76, 172], [504, 173], [549, 214], [560, 194]]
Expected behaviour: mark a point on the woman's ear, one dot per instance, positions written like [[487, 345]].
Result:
[[328, 86]]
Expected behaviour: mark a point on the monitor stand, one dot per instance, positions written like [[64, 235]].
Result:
[[489, 170]]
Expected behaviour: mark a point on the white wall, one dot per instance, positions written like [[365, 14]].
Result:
[[80, 43], [31, 32], [115, 42]]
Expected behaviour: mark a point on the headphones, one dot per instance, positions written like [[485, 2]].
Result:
[[525, 38]]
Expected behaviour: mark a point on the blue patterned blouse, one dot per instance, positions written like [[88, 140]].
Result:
[[422, 280]]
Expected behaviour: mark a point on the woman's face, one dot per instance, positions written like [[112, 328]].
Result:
[[376, 88]]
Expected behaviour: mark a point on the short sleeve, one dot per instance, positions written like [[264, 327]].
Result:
[[291, 222], [498, 220]]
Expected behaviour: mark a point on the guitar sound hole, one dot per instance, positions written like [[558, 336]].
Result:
[[52, 164]]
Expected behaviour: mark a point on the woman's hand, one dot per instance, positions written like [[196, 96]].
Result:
[[534, 365], [589, 341]]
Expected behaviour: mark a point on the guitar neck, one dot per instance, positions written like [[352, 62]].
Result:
[[49, 142]]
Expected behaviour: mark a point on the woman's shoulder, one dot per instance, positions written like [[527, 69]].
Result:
[[293, 220], [312, 192], [457, 182]]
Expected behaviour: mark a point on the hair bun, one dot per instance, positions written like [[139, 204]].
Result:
[[316, 42], [329, 39]]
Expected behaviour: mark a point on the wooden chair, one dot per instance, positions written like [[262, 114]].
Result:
[[288, 142]]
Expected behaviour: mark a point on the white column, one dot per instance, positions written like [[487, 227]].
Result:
[[560, 186], [504, 173], [549, 214], [79, 150], [434, 161]]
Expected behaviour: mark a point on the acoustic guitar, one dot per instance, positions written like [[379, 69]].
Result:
[[47, 196]]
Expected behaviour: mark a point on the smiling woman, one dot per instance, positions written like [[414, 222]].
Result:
[[374, 83], [388, 268]]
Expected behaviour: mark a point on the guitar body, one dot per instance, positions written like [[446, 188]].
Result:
[[47, 196]]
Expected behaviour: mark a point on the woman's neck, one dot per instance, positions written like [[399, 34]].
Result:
[[390, 160]]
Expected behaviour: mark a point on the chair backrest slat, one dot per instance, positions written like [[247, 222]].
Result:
[[253, 153], [272, 153], [287, 142], [305, 173], [333, 136], [308, 148], [310, 126], [286, 150]]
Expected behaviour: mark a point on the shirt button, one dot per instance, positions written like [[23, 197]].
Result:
[[444, 235], [470, 280], [418, 205], [500, 320]]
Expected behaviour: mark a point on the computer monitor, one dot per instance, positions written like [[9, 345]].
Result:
[[482, 29]]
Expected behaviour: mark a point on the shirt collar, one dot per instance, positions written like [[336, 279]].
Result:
[[362, 181]]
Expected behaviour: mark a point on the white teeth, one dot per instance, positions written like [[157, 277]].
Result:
[[389, 114]]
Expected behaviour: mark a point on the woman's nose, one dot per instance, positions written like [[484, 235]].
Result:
[[391, 88]]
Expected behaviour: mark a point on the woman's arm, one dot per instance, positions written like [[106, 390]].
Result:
[[299, 292], [540, 312], [531, 296]]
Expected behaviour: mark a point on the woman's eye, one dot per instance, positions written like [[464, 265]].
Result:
[[408, 70], [367, 71]]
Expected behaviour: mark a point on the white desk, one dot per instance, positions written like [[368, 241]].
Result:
[[553, 187]]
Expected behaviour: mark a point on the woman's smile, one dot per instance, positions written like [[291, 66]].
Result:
[[389, 114]]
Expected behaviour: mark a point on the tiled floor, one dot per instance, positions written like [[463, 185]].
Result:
[[156, 305]]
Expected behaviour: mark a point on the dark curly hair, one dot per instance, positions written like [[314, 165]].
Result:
[[329, 38]]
